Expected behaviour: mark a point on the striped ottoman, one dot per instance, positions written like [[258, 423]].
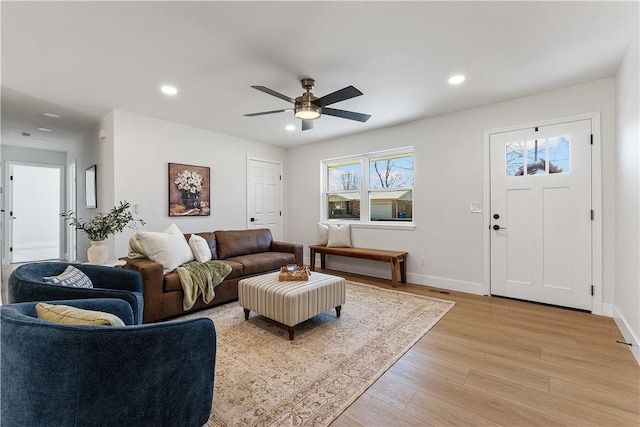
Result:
[[291, 303]]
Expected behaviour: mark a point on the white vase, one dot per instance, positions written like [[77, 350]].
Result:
[[98, 252]]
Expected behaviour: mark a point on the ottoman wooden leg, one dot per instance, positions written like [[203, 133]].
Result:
[[338, 308], [291, 332], [246, 314]]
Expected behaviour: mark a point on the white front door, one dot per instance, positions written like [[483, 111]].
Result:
[[264, 196], [541, 214]]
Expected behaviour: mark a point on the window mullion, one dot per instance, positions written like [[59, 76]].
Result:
[[364, 191]]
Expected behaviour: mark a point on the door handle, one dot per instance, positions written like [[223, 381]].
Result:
[[497, 227]]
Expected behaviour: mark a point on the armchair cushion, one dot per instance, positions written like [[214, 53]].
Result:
[[71, 277], [66, 314]]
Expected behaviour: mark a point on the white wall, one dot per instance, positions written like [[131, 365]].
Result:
[[85, 153], [143, 148], [627, 279], [449, 174]]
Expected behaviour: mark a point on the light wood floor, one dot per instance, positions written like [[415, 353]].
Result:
[[494, 361]]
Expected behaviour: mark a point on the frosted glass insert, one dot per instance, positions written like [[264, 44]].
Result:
[[558, 147], [514, 158]]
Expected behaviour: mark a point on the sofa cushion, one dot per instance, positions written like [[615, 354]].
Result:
[[172, 280], [264, 262], [234, 243]]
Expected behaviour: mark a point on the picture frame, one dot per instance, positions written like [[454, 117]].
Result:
[[90, 188], [189, 190]]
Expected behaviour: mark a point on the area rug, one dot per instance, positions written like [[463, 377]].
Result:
[[263, 379]]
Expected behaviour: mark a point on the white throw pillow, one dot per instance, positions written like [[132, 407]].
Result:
[[200, 248], [339, 236], [70, 277], [322, 234], [169, 248]]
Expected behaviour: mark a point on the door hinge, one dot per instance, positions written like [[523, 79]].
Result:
[[11, 178], [592, 291], [593, 215], [280, 177], [536, 129], [280, 213], [591, 139], [11, 249]]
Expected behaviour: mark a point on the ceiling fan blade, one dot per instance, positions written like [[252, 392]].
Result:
[[351, 115], [268, 112], [307, 124], [337, 96], [274, 93]]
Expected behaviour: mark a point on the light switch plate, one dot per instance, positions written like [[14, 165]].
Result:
[[475, 207]]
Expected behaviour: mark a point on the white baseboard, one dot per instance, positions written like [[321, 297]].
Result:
[[627, 333], [384, 272]]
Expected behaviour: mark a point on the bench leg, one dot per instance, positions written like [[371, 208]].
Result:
[[403, 270], [395, 269], [322, 261], [312, 259]]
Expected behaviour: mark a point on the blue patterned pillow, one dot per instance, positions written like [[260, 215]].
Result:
[[71, 277]]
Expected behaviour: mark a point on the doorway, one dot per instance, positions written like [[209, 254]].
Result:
[[264, 196], [34, 212], [541, 214]]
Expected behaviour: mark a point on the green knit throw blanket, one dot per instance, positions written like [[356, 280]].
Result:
[[200, 278]]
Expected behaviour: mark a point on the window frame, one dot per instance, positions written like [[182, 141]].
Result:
[[365, 190]]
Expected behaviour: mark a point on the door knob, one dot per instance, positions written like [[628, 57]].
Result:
[[496, 216], [253, 219], [497, 227]]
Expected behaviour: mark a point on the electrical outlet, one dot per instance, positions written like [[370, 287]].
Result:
[[136, 208], [423, 261]]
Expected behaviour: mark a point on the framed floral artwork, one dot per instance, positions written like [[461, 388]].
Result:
[[189, 190]]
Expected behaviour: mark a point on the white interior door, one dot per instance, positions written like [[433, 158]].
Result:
[[541, 214], [35, 212], [264, 196]]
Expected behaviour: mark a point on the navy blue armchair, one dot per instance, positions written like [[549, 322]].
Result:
[[158, 374], [25, 284]]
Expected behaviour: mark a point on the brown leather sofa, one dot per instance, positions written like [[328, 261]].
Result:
[[248, 252]]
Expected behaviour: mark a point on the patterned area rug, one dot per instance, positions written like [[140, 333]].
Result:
[[263, 379]]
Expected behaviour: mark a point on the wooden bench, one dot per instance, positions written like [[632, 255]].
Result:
[[396, 258]]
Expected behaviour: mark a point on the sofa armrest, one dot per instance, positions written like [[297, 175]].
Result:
[[293, 248], [153, 286]]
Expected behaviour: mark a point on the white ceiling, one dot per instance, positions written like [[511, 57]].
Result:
[[82, 59]]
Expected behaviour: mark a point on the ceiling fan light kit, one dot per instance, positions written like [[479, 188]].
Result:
[[308, 107]]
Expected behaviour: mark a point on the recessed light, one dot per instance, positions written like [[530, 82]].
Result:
[[290, 128], [45, 129], [457, 79], [169, 90], [52, 115]]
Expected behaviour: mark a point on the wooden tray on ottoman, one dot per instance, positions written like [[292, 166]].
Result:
[[302, 274]]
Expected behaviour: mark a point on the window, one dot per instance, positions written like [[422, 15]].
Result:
[[538, 157], [369, 187]]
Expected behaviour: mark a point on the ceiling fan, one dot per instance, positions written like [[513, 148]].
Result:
[[307, 107]]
